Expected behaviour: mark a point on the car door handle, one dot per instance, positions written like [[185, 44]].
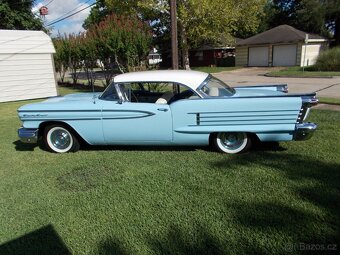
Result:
[[162, 109]]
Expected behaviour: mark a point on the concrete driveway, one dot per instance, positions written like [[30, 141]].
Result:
[[325, 87]]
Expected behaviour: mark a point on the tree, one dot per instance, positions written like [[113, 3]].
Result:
[[61, 57], [306, 15], [332, 18], [199, 21], [214, 21], [89, 55], [75, 55], [18, 15], [98, 12], [120, 41]]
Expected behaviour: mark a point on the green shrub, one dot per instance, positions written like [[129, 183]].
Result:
[[329, 60]]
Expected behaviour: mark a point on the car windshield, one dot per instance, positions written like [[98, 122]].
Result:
[[213, 87]]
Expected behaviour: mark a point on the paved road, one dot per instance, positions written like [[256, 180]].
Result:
[[255, 75]]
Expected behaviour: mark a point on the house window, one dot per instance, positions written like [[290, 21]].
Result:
[[199, 55]]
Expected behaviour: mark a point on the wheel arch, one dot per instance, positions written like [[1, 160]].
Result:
[[252, 136], [44, 124]]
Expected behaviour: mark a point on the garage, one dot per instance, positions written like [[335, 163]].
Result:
[[284, 55], [280, 46], [258, 56]]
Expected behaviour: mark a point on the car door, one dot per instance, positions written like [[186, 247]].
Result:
[[136, 123]]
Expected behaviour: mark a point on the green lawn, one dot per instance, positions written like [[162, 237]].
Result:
[[328, 100], [152, 200], [297, 72]]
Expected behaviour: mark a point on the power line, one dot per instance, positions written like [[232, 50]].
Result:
[[48, 3], [52, 23], [38, 10], [78, 6]]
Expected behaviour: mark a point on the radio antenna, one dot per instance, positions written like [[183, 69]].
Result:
[[92, 83]]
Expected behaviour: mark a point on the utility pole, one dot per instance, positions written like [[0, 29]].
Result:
[[174, 40]]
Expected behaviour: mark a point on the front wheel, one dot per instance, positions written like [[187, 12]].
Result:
[[58, 138], [231, 142]]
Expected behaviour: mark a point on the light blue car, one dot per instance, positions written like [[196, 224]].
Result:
[[169, 108]]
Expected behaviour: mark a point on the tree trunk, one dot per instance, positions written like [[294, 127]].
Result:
[[337, 31], [185, 48], [62, 72], [120, 67]]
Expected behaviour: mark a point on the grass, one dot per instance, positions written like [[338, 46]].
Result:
[[215, 69], [67, 90], [296, 71], [328, 100], [182, 200]]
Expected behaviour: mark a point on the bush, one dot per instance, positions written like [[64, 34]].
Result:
[[329, 60]]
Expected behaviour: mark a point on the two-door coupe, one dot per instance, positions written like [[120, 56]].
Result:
[[169, 108]]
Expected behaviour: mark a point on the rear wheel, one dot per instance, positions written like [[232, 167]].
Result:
[[60, 139], [231, 142]]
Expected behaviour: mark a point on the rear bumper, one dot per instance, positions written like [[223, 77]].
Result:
[[304, 131], [28, 135]]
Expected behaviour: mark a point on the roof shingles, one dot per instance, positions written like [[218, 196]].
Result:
[[279, 34]]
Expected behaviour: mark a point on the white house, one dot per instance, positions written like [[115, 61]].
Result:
[[280, 46], [26, 65]]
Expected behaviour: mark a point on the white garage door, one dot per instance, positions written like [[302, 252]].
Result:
[[284, 55], [258, 56]]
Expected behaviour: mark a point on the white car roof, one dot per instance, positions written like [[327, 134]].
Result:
[[191, 79]]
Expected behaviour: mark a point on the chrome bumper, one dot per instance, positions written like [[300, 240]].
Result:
[[304, 131], [28, 135]]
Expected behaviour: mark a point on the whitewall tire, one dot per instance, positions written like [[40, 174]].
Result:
[[231, 142], [59, 139]]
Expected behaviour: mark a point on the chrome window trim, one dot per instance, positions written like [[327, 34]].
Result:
[[279, 87], [119, 92], [199, 88], [121, 97]]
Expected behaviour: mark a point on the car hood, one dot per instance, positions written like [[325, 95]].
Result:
[[79, 101], [245, 92], [74, 97]]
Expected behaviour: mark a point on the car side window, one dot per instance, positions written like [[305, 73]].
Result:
[[156, 92]]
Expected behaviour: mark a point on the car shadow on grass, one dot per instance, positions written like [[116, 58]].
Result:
[[142, 148], [20, 146], [42, 241], [257, 146], [267, 146]]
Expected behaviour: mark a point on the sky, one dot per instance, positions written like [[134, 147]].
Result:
[[60, 8]]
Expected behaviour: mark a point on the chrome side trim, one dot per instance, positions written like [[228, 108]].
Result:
[[278, 87], [28, 135], [304, 131]]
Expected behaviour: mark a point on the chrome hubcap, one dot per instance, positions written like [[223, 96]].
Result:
[[232, 141], [60, 139]]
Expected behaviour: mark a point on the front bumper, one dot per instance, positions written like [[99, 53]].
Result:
[[28, 135], [304, 131]]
